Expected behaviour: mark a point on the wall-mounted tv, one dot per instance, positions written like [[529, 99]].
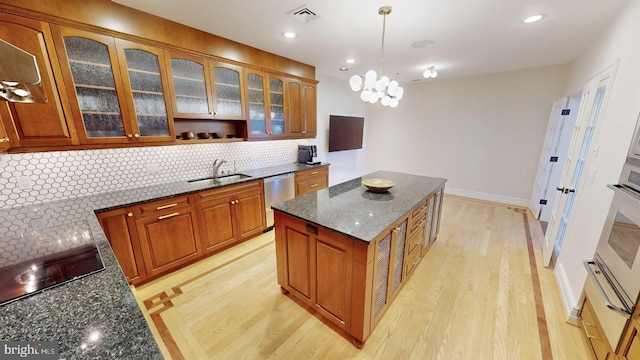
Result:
[[345, 132]]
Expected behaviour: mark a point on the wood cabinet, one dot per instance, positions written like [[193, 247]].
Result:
[[36, 124], [4, 140], [116, 225], [327, 287], [630, 347], [349, 282], [311, 180], [231, 214], [593, 332], [168, 234], [301, 108], [117, 88]]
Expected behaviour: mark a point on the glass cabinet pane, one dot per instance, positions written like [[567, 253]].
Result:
[[228, 96], [146, 88], [95, 87], [189, 87], [277, 106], [257, 119]]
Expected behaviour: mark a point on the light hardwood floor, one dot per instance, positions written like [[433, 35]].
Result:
[[473, 296]]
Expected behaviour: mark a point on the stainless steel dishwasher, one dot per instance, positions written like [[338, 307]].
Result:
[[276, 190]]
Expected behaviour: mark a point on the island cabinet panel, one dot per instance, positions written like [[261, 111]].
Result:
[[36, 124], [116, 225], [298, 246], [230, 214]]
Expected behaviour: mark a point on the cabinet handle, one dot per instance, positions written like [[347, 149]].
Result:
[[313, 185], [315, 172], [168, 216], [166, 206], [130, 214], [4, 139], [586, 331], [396, 230]]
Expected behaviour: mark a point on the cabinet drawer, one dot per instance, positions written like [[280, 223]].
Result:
[[411, 262], [415, 240], [593, 332], [163, 205], [228, 190], [419, 211], [311, 173], [310, 185]]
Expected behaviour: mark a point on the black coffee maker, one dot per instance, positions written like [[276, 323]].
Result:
[[307, 154]]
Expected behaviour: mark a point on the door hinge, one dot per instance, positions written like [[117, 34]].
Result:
[[543, 201], [553, 159], [565, 112]]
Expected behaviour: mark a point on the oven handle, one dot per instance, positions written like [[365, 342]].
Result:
[[607, 302]]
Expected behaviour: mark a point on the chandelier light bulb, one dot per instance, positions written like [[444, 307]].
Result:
[[364, 96], [427, 73], [355, 82], [434, 74]]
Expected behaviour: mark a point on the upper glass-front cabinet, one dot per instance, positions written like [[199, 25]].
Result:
[[146, 82], [266, 113], [257, 105], [191, 96], [276, 103], [228, 85], [108, 109]]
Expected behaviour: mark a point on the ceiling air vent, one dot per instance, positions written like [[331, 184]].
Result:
[[303, 14]]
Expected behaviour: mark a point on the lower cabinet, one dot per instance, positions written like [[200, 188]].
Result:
[[4, 140], [630, 348], [116, 224], [169, 237], [594, 333], [311, 180], [230, 214]]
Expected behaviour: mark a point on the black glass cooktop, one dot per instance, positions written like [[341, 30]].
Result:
[[58, 255]]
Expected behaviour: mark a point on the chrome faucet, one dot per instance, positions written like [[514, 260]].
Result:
[[216, 166]]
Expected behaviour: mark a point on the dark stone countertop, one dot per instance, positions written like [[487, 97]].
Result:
[[95, 316], [349, 208]]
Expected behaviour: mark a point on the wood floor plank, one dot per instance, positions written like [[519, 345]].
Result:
[[471, 297]]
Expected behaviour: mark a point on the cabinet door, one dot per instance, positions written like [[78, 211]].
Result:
[[258, 116], [217, 229], [630, 348], [4, 140], [168, 240], [334, 280], [249, 212], [189, 86], [430, 222], [37, 124], [228, 88], [435, 226], [310, 110], [398, 244], [145, 81], [124, 243], [94, 83], [276, 106], [381, 276]]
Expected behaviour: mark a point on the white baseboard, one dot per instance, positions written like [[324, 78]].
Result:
[[488, 197], [571, 304]]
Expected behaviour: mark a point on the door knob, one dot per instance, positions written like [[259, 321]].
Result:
[[565, 190]]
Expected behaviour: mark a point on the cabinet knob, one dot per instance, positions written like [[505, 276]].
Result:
[[136, 135], [4, 139], [130, 214], [129, 135], [233, 202]]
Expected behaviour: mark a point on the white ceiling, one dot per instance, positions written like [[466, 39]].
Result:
[[470, 36]]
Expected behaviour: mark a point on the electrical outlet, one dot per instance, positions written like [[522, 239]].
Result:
[[24, 182]]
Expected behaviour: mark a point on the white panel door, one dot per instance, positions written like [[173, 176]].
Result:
[[593, 97], [554, 132]]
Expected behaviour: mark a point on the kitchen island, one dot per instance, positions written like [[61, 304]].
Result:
[[345, 251]]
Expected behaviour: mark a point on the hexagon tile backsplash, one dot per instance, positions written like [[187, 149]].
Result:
[[34, 178]]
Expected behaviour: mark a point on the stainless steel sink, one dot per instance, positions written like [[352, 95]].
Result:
[[220, 180]]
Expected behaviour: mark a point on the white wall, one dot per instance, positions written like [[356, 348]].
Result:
[[336, 98], [617, 125], [482, 133]]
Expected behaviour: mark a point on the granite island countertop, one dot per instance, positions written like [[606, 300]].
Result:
[[95, 316], [349, 208]]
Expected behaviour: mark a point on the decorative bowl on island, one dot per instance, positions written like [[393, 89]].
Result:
[[378, 185]]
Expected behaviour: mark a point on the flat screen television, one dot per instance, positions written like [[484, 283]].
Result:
[[345, 132]]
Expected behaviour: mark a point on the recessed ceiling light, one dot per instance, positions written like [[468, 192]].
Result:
[[533, 18], [344, 69], [351, 61], [289, 35]]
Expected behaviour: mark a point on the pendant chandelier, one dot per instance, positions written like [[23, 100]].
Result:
[[374, 89]]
